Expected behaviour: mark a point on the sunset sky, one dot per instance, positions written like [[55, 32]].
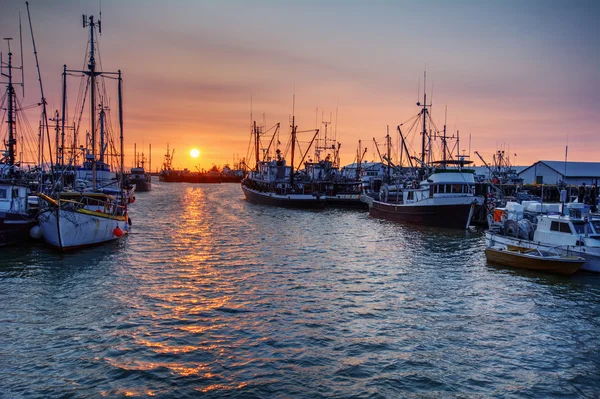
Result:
[[516, 75]]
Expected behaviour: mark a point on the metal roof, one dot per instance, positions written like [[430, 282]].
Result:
[[573, 169]]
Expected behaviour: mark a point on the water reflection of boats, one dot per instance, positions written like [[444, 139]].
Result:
[[546, 226], [534, 259]]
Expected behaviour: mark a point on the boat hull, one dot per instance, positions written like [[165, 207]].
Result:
[[15, 228], [77, 229], [591, 254], [345, 201], [516, 260], [454, 216], [303, 201], [141, 185]]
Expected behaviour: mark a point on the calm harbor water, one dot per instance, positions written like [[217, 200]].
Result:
[[211, 296]]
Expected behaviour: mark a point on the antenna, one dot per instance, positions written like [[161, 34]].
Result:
[[84, 18]]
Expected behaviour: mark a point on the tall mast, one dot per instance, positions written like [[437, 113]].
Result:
[[92, 74], [150, 158], [122, 142], [56, 119], [389, 153], [424, 119], [444, 143], [64, 111], [293, 147], [12, 133], [102, 132], [256, 145]]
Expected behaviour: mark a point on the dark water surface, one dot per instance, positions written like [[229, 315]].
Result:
[[214, 297]]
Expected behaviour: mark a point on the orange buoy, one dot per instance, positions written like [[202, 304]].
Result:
[[132, 199], [117, 231]]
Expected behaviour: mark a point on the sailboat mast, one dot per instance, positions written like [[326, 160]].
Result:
[[256, 144], [102, 133], [64, 110], [12, 134], [293, 147], [122, 142], [424, 120], [444, 143], [92, 75], [389, 154], [56, 120]]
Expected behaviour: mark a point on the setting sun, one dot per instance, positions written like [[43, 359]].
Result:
[[194, 153]]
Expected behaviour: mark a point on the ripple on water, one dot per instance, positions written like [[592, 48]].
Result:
[[212, 296]]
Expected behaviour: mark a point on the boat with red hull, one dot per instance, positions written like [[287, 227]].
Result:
[[447, 216], [444, 196]]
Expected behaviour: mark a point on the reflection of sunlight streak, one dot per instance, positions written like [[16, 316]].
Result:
[[128, 393], [177, 295], [202, 370], [163, 348], [222, 387]]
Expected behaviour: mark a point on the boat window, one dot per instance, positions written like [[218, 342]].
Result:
[[456, 188], [560, 227], [580, 227], [411, 195], [596, 225], [2, 193]]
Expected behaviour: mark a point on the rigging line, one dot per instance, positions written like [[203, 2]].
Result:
[[44, 113]]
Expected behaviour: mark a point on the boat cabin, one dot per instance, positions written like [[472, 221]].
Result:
[[13, 198]]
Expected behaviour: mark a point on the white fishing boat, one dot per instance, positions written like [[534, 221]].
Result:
[[78, 220], [570, 232], [81, 218]]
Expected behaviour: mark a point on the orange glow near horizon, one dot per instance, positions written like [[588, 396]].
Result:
[[527, 94]]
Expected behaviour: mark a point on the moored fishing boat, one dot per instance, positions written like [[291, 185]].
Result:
[[76, 220], [571, 230], [534, 259], [139, 177], [273, 182], [444, 199], [16, 217], [444, 196], [91, 216]]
